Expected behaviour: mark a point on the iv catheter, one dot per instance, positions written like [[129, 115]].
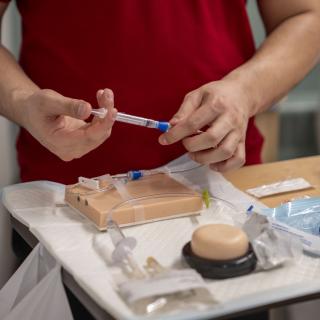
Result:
[[139, 121], [138, 174], [94, 184]]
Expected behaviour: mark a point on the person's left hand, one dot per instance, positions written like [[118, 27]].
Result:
[[222, 107]]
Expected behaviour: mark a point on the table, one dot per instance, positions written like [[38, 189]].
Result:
[[256, 175], [244, 178]]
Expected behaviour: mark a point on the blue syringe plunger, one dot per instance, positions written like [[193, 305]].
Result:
[[164, 126]]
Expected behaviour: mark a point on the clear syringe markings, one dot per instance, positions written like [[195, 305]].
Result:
[[163, 126]]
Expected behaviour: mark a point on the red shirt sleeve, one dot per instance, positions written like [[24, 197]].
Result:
[[6, 1]]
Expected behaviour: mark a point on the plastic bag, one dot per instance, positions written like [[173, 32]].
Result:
[[35, 291], [167, 291], [299, 218], [272, 247], [302, 214]]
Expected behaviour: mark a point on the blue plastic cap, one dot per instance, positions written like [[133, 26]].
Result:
[[135, 175], [163, 126], [249, 210]]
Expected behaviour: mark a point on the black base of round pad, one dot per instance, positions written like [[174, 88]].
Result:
[[220, 269]]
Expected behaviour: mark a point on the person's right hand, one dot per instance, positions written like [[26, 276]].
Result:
[[57, 122]]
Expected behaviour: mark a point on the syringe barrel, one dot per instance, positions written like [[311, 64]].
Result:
[[140, 121]]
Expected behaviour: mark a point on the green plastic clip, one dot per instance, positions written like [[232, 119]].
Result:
[[206, 198]]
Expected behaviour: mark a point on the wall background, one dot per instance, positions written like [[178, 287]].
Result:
[[308, 89], [300, 112], [8, 165]]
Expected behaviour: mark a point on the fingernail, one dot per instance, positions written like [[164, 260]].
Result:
[[176, 118], [109, 94], [100, 92], [163, 140], [82, 110], [114, 115]]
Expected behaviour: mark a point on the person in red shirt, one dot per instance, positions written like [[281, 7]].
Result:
[[190, 61], [152, 55]]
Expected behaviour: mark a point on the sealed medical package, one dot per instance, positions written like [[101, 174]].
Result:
[[271, 247], [165, 290], [300, 219], [279, 187]]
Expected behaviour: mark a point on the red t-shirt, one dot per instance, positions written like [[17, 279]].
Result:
[[149, 52]]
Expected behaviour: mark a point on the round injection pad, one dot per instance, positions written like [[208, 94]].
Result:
[[220, 269], [219, 242]]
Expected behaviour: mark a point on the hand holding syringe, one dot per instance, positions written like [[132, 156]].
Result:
[[139, 121]]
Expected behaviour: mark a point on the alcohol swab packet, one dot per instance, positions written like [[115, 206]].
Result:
[[280, 187]]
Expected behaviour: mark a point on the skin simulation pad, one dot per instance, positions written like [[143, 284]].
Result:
[[220, 251]]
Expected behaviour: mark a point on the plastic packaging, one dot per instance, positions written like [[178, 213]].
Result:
[[272, 248], [280, 187], [302, 214], [165, 291], [301, 219], [154, 289], [35, 291]]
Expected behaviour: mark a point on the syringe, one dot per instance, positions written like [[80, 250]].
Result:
[[139, 121]]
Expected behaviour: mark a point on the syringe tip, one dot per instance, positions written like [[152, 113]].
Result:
[[100, 113]]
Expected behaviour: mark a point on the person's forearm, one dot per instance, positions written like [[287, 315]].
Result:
[[14, 84], [284, 59]]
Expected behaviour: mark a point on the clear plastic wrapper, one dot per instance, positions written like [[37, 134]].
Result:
[[153, 289], [300, 219], [302, 214], [166, 291], [35, 291], [273, 248]]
